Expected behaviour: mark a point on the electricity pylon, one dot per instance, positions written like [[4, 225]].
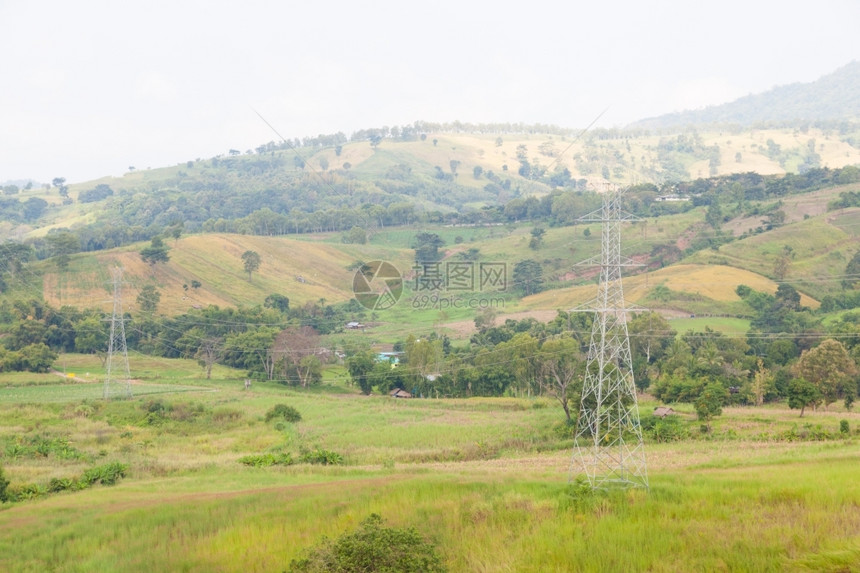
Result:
[[117, 384], [608, 447]]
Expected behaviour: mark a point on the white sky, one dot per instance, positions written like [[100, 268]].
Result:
[[88, 88]]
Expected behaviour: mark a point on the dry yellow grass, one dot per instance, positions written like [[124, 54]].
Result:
[[301, 270], [716, 282]]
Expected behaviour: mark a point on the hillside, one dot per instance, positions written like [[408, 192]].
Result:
[[699, 280], [305, 271], [832, 98], [443, 176]]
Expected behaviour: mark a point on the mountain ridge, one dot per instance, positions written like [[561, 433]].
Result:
[[833, 97]]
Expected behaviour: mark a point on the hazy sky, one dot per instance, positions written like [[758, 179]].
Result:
[[90, 88]]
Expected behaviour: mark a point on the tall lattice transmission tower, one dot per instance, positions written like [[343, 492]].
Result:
[[117, 375], [608, 447]]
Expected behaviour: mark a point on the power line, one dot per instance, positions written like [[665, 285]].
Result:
[[117, 383], [608, 444]]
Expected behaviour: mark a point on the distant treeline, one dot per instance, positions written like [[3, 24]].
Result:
[[309, 204]]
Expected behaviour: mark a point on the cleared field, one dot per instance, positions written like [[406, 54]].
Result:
[[484, 479]]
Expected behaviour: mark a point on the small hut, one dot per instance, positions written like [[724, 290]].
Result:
[[663, 411], [399, 393]]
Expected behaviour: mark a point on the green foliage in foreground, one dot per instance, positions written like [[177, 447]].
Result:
[[107, 474], [266, 460], [371, 548]]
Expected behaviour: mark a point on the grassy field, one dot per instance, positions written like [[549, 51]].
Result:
[[728, 326], [485, 479]]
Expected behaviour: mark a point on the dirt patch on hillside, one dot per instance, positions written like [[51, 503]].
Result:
[[795, 208]]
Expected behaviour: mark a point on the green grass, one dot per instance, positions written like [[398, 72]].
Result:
[[485, 479], [728, 326], [78, 392], [765, 518]]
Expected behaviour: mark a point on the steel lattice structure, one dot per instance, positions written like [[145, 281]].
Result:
[[117, 384], [608, 447]]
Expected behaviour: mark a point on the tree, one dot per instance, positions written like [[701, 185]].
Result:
[[829, 368], [60, 184], [251, 261], [801, 394], [476, 171], [762, 382], [528, 276], [62, 245], [427, 247], [714, 214], [175, 231], [208, 353], [15, 255], [537, 238], [33, 208], [359, 366], [323, 163], [156, 252], [252, 350], [277, 301], [782, 263], [710, 402], [519, 355], [294, 353], [485, 318], [91, 337], [148, 299], [852, 272], [423, 356], [356, 236], [561, 371]]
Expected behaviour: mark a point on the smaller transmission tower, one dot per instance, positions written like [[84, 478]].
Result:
[[608, 446], [117, 375]]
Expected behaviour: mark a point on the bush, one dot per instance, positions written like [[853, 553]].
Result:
[[285, 412], [668, 429], [373, 548], [321, 457], [4, 484], [107, 474], [844, 428], [266, 460]]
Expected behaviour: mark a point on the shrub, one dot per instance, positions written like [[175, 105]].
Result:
[[266, 460], [4, 484], [668, 429], [844, 428], [321, 457], [60, 484], [107, 474], [372, 547], [285, 412]]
